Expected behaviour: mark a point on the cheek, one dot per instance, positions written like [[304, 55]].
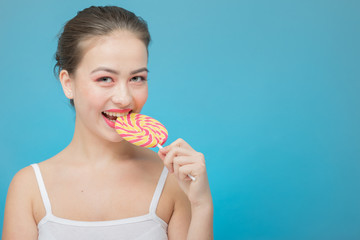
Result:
[[89, 97], [140, 97]]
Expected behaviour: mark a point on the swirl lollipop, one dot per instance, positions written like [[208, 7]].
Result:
[[142, 131]]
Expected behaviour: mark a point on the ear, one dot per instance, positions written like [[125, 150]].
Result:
[[66, 84]]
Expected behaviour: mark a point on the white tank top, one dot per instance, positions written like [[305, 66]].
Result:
[[148, 226]]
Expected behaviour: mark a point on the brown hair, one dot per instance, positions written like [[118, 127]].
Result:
[[91, 22]]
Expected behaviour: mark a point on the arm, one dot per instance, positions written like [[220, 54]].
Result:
[[182, 160], [201, 226], [19, 223]]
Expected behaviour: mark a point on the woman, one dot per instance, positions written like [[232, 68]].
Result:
[[100, 186]]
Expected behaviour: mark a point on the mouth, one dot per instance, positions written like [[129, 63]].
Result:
[[112, 116]]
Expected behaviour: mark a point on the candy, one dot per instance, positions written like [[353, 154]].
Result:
[[141, 130]]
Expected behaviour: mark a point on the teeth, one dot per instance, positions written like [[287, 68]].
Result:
[[114, 114]]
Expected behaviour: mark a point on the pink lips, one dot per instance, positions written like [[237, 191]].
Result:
[[110, 123], [119, 110]]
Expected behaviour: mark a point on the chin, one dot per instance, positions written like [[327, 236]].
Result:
[[115, 139]]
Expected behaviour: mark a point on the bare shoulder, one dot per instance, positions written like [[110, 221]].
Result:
[[19, 222], [22, 189], [24, 182]]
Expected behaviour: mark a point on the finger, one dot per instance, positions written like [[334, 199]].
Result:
[[176, 167], [180, 161], [175, 152], [165, 150], [184, 172], [183, 160], [168, 161], [180, 151], [161, 154], [181, 143]]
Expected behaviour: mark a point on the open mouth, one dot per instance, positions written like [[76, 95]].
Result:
[[112, 116]]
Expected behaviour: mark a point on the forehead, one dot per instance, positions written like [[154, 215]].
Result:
[[120, 50]]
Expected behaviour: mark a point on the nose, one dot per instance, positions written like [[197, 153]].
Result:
[[122, 95]]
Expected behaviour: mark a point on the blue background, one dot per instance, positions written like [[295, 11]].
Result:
[[267, 90]]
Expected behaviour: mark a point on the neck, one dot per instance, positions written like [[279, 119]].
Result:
[[87, 147]]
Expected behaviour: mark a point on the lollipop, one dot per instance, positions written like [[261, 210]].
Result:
[[142, 131]]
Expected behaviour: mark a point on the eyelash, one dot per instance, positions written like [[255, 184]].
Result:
[[142, 79], [102, 78]]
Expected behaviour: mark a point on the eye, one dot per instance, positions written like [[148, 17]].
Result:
[[138, 79], [105, 79]]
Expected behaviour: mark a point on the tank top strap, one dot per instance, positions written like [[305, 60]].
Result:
[[42, 188], [158, 191]]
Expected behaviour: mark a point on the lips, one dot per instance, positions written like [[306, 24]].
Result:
[[111, 115]]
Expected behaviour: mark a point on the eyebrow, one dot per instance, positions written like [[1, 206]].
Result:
[[116, 72], [139, 70]]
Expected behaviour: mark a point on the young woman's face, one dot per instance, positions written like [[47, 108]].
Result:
[[110, 81]]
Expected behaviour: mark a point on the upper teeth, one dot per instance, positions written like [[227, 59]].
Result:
[[115, 114]]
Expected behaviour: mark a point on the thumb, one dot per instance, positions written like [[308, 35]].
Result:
[[164, 150], [161, 155]]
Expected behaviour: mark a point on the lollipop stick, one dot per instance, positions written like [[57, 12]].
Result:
[[189, 175]]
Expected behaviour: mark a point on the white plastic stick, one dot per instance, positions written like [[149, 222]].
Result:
[[189, 175]]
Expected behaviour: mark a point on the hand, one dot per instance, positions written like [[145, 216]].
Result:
[[181, 160]]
